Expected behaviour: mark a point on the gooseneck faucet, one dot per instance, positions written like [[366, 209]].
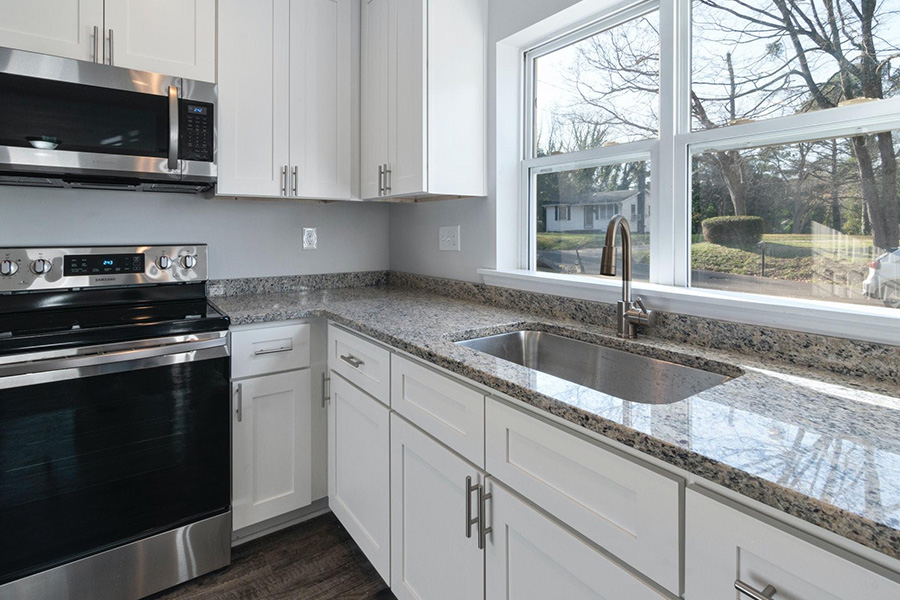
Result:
[[628, 313]]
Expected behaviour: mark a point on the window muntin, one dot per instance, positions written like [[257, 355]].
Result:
[[573, 208], [600, 90], [759, 59], [828, 233]]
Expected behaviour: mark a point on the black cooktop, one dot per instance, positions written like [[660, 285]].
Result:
[[50, 321]]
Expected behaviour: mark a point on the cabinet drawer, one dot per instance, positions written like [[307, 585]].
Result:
[[725, 543], [262, 350], [361, 362], [631, 511], [449, 411]]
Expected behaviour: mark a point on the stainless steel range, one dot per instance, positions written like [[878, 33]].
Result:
[[115, 428]]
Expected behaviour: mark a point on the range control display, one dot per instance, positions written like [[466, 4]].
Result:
[[102, 264]]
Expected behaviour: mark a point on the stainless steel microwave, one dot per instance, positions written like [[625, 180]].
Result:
[[70, 123]]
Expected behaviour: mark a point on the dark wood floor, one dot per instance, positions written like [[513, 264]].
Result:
[[315, 560]]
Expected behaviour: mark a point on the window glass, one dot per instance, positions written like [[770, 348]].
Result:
[[819, 220], [758, 59], [599, 91], [574, 208]]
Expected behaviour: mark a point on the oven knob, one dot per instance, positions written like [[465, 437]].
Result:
[[8, 268], [188, 262], [164, 262], [41, 266]]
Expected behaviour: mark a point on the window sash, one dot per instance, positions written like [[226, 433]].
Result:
[[670, 155]]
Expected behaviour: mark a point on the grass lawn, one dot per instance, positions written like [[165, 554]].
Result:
[[580, 241], [790, 257]]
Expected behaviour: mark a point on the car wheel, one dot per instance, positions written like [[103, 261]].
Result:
[[891, 296]]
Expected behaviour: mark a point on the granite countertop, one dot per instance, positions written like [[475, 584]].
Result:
[[816, 445]]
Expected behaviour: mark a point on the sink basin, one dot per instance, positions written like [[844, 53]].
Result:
[[621, 374]]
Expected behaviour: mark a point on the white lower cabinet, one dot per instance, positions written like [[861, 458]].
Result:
[[359, 470], [433, 558], [271, 446], [727, 546], [530, 557]]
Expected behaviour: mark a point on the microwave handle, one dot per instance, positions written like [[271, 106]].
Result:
[[173, 128]]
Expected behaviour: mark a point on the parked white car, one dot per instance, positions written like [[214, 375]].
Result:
[[883, 281]]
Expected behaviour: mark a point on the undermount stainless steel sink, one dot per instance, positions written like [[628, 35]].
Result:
[[621, 374]]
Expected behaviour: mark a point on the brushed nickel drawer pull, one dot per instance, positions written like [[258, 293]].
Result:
[[352, 361], [265, 351], [768, 592], [483, 530]]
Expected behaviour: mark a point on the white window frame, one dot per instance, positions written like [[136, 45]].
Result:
[[669, 158]]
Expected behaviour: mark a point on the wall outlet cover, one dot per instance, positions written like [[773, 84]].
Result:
[[449, 239], [310, 238]]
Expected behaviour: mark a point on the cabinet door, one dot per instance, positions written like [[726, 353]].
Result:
[[271, 446], [253, 97], [359, 470], [320, 113], [431, 557], [373, 95], [530, 557], [173, 37], [58, 27]]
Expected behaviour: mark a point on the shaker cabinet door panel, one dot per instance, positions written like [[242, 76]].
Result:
[[320, 94], [272, 438], [253, 149], [432, 559], [374, 96], [172, 37], [359, 470], [529, 557], [58, 27]]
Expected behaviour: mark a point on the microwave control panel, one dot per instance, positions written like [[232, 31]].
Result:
[[197, 131]]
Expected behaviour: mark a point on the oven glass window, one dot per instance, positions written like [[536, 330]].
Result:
[[88, 464], [54, 115]]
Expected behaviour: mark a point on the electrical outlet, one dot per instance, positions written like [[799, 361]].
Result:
[[310, 239], [449, 239]]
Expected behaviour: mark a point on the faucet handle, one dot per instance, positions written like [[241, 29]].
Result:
[[644, 316]]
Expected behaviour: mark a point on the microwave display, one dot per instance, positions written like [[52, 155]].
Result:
[[196, 135]]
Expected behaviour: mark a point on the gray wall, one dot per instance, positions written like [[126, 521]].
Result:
[[414, 228], [247, 238]]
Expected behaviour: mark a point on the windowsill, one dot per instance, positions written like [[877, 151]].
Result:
[[871, 324]]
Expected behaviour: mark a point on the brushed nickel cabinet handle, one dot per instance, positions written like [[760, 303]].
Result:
[[111, 62], [239, 390], [96, 44], [326, 396], [483, 531], [380, 180], [352, 360], [469, 520], [284, 180], [387, 179], [264, 351], [768, 592], [294, 181]]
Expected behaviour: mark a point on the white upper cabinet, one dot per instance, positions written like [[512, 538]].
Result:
[[174, 37], [320, 109], [286, 121], [423, 98], [59, 27], [253, 147]]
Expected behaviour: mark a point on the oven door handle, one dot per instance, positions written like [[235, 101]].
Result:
[[173, 128], [103, 363]]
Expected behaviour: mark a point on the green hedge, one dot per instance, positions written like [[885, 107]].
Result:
[[733, 231]]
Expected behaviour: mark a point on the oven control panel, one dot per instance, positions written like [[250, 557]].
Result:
[[34, 269]]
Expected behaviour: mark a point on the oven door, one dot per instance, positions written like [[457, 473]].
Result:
[[72, 119], [104, 447]]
